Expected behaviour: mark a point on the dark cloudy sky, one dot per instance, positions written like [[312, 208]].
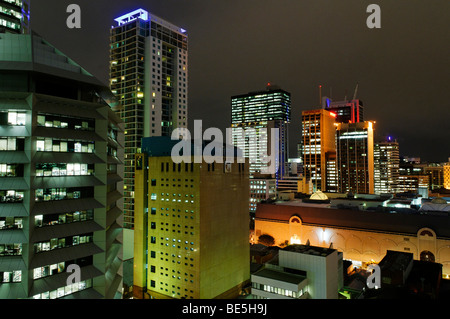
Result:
[[237, 46]]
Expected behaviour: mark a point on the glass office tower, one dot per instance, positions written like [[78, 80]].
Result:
[[386, 165], [318, 149], [262, 111], [149, 75], [355, 157]]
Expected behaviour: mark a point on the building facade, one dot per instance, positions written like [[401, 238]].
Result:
[[302, 272], [362, 237], [14, 16], [386, 166], [149, 75], [447, 176], [61, 176], [191, 231], [318, 147], [354, 156]]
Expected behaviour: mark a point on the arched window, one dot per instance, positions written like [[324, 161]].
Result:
[[427, 256], [426, 233]]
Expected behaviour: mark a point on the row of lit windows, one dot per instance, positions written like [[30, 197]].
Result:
[[278, 291], [12, 117], [10, 276], [11, 196], [70, 169], [50, 145], [10, 250], [11, 223], [51, 194], [9, 24], [9, 144], [56, 243], [65, 218], [64, 291], [11, 170]]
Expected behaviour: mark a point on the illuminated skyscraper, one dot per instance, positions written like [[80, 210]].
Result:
[[319, 149], [447, 176], [386, 166], [60, 176], [14, 16], [354, 155], [149, 75], [262, 111], [191, 233]]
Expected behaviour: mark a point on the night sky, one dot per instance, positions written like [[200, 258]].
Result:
[[237, 46]]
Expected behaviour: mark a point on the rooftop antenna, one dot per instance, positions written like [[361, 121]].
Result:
[[320, 94], [356, 91]]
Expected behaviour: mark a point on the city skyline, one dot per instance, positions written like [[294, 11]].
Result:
[[396, 67]]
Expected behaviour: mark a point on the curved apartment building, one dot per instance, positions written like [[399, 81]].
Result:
[[60, 176]]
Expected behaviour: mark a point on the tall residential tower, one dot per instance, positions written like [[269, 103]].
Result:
[[149, 75], [14, 16]]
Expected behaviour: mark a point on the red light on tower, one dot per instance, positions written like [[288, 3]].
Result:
[[333, 114]]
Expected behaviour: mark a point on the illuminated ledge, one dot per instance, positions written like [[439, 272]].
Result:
[[60, 280], [137, 14]]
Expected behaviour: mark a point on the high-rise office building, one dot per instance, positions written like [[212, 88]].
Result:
[[354, 157], [319, 148], [347, 111], [14, 16], [435, 171], [386, 166], [60, 176], [447, 176], [263, 112], [191, 225], [149, 75]]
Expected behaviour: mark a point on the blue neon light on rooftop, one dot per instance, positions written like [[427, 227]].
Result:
[[136, 14]]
